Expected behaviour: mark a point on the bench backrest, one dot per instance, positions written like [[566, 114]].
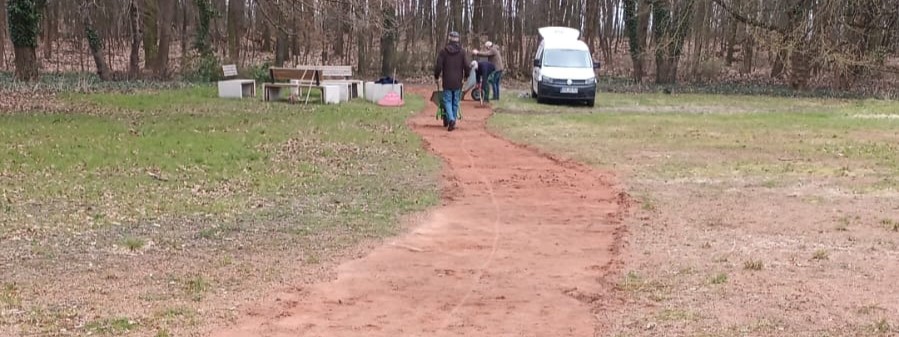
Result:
[[305, 76], [345, 72], [229, 70]]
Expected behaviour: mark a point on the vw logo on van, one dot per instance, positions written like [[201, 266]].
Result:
[[569, 81]]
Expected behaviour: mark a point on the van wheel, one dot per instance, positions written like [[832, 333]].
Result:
[[591, 103]]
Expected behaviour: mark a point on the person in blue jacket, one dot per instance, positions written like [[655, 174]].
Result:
[[483, 72]]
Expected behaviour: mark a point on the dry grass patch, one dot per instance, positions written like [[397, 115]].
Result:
[[730, 183]]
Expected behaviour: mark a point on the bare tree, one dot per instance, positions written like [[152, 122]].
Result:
[[3, 26], [136, 38], [235, 28], [94, 41]]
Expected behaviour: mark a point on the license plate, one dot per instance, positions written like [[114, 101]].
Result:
[[569, 90]]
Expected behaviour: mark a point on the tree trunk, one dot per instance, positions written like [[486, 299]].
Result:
[[388, 41], [457, 15], [635, 44], [441, 24], [266, 45], [777, 69], [151, 33], [24, 25], [136, 38], [94, 41], [184, 36], [748, 55], [281, 48], [235, 29], [661, 26], [50, 28], [670, 34], [26, 63], [3, 38], [799, 57], [732, 27], [700, 32], [166, 16]]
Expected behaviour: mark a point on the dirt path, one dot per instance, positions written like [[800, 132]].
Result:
[[519, 248]]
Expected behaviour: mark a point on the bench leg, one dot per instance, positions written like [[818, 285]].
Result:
[[269, 91]]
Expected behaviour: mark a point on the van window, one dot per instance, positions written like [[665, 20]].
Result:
[[563, 58]]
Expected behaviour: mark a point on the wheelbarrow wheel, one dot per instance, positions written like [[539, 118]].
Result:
[[476, 94]]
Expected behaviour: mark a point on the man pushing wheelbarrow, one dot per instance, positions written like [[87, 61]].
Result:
[[452, 64]]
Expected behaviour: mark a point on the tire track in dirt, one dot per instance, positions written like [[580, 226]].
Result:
[[521, 247]]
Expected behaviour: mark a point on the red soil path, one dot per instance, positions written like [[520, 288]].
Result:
[[521, 247]]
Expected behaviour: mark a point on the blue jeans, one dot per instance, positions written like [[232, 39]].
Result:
[[499, 76], [451, 103]]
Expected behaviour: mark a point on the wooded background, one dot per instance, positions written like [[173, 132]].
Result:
[[834, 43]]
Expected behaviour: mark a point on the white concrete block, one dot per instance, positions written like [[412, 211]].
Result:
[[237, 88], [375, 92], [331, 94]]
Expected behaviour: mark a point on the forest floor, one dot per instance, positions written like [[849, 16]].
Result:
[[757, 216]]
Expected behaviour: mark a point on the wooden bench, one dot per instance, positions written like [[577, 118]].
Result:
[[231, 87], [296, 78]]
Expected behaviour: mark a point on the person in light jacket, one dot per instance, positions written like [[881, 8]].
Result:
[[494, 55]]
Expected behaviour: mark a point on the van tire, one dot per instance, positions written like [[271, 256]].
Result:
[[591, 103]]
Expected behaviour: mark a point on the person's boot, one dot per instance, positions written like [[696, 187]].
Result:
[[452, 126]]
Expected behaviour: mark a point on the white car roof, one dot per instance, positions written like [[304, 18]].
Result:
[[559, 33], [562, 38]]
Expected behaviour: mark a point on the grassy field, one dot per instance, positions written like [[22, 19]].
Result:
[[206, 195], [721, 137], [757, 216]]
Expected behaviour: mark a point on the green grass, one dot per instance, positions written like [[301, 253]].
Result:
[[821, 255], [890, 224], [111, 326], [769, 139], [9, 296], [197, 286], [676, 315], [881, 326], [131, 158], [133, 243], [720, 278]]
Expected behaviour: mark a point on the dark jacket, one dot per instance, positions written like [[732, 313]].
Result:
[[453, 65], [485, 68]]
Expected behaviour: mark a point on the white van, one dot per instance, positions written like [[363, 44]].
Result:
[[563, 67]]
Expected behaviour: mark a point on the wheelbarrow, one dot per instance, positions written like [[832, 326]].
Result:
[[437, 98], [478, 92]]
